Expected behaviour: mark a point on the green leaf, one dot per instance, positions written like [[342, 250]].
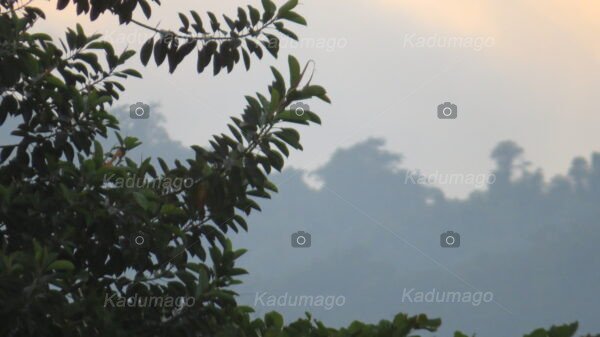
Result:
[[146, 51], [269, 8], [32, 66], [240, 220], [98, 152], [55, 81], [566, 330], [314, 91], [141, 200], [272, 44], [290, 136], [254, 15], [242, 19], [280, 145], [184, 50], [279, 83], [294, 17], [280, 27], [288, 6], [146, 8], [235, 132], [184, 21], [160, 51], [63, 265], [198, 22], [538, 333], [294, 71], [126, 55], [274, 319], [246, 57], [214, 23], [5, 153], [38, 251], [204, 57], [131, 143], [275, 100], [291, 117], [276, 160], [132, 72], [229, 22]]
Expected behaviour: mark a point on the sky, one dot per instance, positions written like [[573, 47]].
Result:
[[530, 73]]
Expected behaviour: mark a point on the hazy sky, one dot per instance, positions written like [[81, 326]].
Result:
[[531, 74]]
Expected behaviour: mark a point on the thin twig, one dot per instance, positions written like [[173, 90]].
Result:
[[202, 38]]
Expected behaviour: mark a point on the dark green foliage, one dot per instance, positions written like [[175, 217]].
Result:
[[226, 42], [65, 221], [223, 42]]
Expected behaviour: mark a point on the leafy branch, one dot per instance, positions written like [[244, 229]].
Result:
[[227, 44]]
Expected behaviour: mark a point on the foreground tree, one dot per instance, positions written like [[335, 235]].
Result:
[[68, 224]]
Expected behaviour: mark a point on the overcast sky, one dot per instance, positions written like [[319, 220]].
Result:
[[530, 75]]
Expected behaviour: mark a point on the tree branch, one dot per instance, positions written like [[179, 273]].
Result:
[[206, 37]]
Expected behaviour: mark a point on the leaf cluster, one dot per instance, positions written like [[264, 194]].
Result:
[[66, 223]]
